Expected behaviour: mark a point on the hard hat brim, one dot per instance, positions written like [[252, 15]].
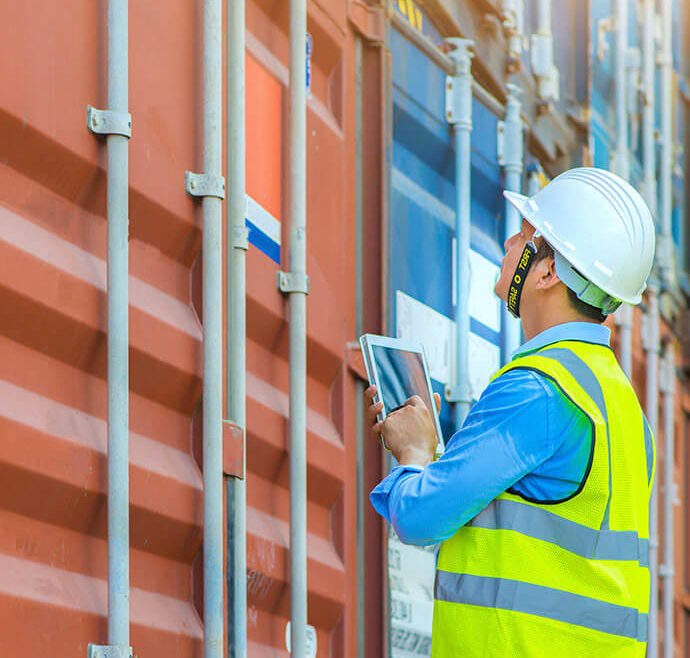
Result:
[[521, 203]]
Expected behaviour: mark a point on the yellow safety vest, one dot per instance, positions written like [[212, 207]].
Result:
[[564, 578]]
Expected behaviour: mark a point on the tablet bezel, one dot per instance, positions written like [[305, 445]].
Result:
[[367, 342]]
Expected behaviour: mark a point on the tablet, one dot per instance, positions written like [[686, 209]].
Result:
[[399, 370]]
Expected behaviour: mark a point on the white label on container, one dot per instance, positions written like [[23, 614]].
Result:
[[419, 323], [311, 641], [411, 572], [484, 361], [484, 305]]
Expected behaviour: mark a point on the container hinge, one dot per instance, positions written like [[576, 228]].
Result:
[[109, 651], [604, 25], [293, 282], [649, 334], [667, 375], [239, 234], [458, 393], [201, 185], [666, 571], [239, 237], [108, 122], [459, 85], [510, 132]]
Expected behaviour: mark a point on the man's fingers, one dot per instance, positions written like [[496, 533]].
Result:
[[372, 411], [370, 393], [437, 401], [415, 401]]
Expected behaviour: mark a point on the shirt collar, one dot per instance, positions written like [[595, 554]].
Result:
[[587, 332]]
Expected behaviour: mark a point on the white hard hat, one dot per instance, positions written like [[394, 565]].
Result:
[[601, 231]]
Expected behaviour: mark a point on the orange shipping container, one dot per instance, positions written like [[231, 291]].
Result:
[[53, 550]]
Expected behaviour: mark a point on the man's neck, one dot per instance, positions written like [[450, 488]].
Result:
[[533, 326]]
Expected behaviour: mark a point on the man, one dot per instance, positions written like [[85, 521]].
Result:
[[541, 500]]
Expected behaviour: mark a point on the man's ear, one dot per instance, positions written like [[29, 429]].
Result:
[[545, 272]]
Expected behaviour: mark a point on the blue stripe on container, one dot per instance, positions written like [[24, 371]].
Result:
[[263, 243]]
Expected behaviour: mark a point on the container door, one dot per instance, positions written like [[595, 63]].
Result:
[[420, 289]]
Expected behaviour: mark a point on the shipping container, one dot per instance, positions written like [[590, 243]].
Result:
[[53, 331], [381, 258]]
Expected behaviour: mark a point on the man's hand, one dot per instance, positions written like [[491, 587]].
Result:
[[409, 432]]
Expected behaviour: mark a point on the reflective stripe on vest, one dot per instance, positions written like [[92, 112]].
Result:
[[541, 524], [543, 601]]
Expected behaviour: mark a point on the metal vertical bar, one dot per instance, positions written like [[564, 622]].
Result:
[[542, 52], [298, 329], [212, 83], [388, 307], [511, 159], [624, 316], [652, 413], [668, 571], [652, 387], [118, 332], [651, 344], [359, 386], [544, 16], [622, 162], [459, 114], [666, 156], [652, 397], [237, 245], [648, 99], [666, 272]]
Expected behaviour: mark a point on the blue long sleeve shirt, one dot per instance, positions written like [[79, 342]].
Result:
[[523, 434]]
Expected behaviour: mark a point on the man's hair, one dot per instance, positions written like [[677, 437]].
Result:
[[545, 250]]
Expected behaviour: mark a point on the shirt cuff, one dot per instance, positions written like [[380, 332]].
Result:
[[380, 494]]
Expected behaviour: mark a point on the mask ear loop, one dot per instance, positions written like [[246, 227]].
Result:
[[520, 275]]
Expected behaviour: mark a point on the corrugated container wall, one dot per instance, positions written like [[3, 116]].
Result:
[[381, 188], [53, 555]]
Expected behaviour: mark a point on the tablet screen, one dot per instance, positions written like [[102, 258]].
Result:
[[400, 375]]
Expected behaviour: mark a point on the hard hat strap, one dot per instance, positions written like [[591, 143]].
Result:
[[518, 280], [585, 290]]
